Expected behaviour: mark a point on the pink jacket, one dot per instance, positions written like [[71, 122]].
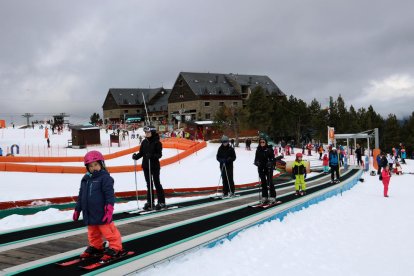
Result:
[[385, 177]]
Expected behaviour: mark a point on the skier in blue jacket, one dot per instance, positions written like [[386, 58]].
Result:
[[334, 164]]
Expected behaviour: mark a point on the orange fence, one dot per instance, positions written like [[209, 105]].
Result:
[[8, 163]]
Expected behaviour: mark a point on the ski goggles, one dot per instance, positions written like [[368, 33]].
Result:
[[149, 129]]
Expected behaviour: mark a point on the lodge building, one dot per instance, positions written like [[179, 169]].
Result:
[[194, 97], [122, 104]]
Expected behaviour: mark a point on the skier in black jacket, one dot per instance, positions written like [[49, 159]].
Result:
[[151, 151], [358, 153], [226, 156], [265, 162]]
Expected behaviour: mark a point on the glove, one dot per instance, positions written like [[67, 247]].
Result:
[[135, 156], [109, 210], [76, 215], [304, 176]]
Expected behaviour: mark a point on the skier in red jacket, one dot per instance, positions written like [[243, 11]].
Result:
[[386, 175]]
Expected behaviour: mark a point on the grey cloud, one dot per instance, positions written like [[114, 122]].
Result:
[[311, 49]]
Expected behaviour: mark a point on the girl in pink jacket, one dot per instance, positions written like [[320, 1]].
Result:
[[386, 175]]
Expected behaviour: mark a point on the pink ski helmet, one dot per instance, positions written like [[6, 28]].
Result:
[[298, 155], [93, 156]]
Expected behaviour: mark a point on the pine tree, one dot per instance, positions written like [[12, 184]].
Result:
[[95, 119]]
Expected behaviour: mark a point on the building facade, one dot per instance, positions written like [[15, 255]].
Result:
[[198, 96], [123, 103]]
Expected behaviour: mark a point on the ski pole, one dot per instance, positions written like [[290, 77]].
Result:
[[136, 185], [228, 182], [218, 184], [150, 182]]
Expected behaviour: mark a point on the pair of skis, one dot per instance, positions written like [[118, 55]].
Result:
[[144, 212], [265, 205], [94, 262], [225, 197]]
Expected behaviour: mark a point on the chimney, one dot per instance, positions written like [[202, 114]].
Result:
[[216, 79]]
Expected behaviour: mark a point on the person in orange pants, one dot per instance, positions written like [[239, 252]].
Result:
[[386, 176], [96, 202]]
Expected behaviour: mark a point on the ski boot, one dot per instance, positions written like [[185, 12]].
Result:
[[297, 193], [91, 252], [111, 254], [264, 200], [272, 200], [302, 193], [160, 206], [147, 206]]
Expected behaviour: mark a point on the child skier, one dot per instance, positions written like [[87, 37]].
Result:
[[96, 201], [386, 175], [325, 164], [299, 173], [397, 169]]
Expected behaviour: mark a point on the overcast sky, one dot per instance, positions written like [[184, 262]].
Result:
[[63, 56]]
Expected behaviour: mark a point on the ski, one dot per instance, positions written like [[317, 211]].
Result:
[[225, 197], [265, 205], [144, 212], [78, 260], [71, 262], [101, 263]]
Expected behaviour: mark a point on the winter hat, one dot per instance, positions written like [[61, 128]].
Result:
[[299, 154], [333, 148], [224, 139]]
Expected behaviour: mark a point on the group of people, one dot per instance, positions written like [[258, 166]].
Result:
[[97, 197]]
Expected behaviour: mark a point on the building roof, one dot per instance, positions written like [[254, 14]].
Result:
[[227, 84], [133, 96], [156, 99], [84, 127]]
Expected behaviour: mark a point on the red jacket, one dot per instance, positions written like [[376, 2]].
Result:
[[385, 177], [325, 160]]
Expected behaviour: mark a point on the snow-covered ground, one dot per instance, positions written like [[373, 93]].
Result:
[[358, 233]]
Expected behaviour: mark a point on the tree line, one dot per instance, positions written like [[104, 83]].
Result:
[[292, 119]]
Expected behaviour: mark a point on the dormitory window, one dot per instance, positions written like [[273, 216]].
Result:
[[206, 103]]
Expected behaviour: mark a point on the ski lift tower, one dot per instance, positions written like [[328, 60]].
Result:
[[27, 116]]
